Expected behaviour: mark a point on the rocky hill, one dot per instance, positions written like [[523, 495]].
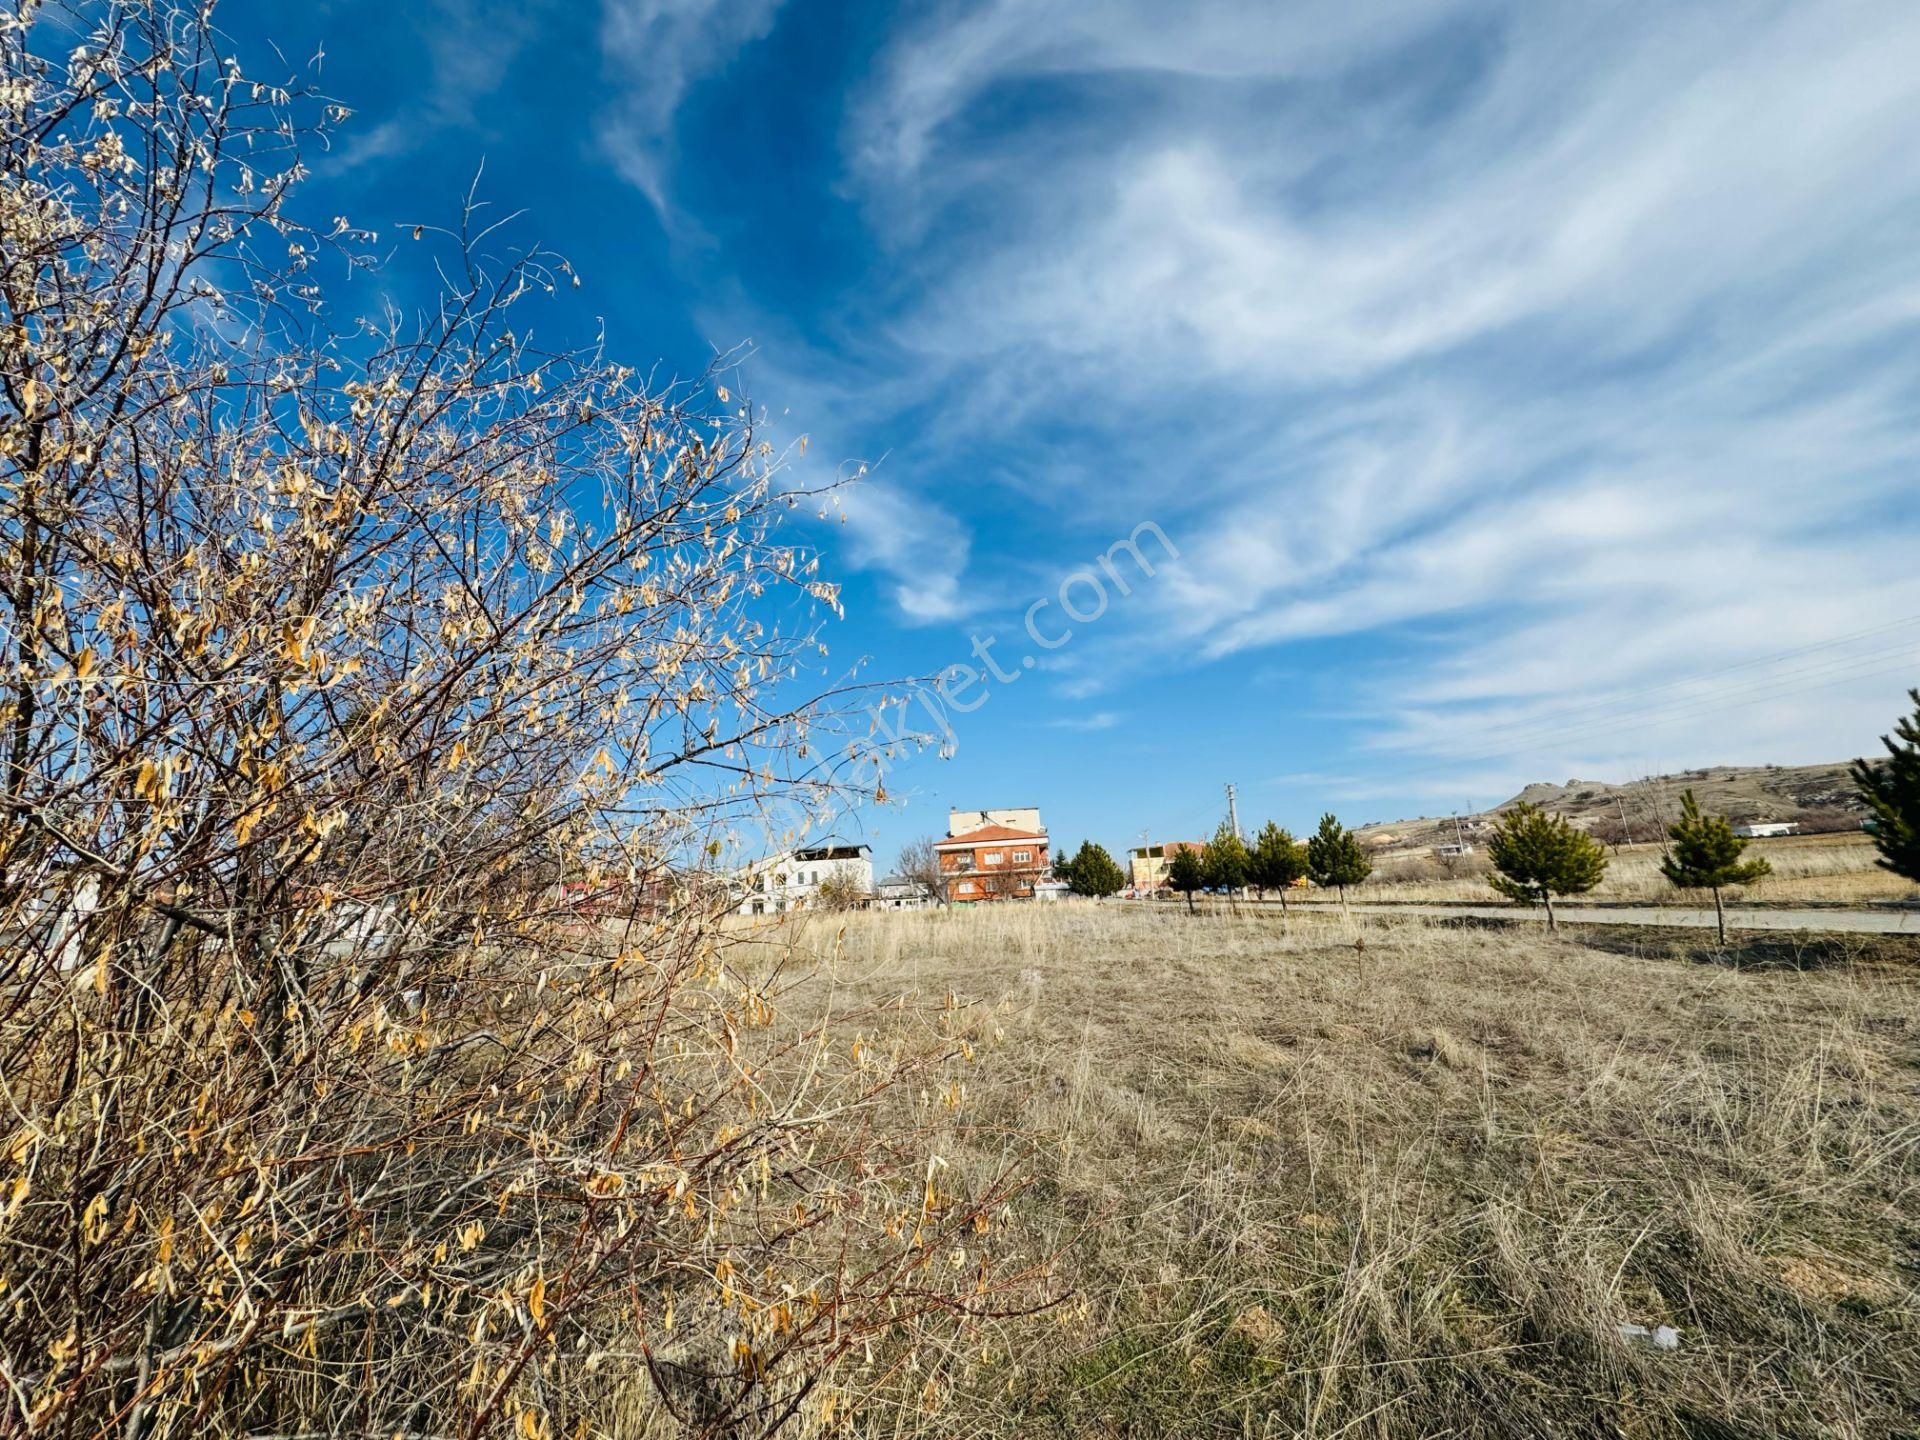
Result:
[[1815, 796]]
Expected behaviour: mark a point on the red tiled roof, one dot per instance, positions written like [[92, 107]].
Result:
[[989, 835]]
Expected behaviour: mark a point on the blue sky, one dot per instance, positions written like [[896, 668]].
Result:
[[1527, 390]]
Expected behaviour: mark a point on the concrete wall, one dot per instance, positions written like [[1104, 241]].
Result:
[[1027, 817]]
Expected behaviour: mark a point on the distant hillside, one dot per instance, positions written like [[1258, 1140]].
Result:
[[1817, 796]]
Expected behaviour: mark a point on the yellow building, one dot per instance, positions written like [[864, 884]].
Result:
[[1147, 864]]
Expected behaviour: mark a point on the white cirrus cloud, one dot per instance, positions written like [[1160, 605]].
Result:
[[658, 50], [1553, 353], [1545, 355]]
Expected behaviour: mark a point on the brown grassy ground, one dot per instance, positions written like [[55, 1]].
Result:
[[1807, 869], [1414, 1190]]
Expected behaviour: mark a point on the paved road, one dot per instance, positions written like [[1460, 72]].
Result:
[[1874, 922]]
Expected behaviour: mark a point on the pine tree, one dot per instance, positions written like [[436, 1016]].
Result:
[[1705, 855], [1334, 857], [1540, 855], [1186, 873], [1278, 860], [1063, 867], [1892, 791], [1092, 872], [1226, 862]]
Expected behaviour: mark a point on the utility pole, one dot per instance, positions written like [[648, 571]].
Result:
[[1233, 812], [1625, 828]]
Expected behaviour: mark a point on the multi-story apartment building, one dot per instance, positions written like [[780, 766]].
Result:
[[994, 862], [1147, 864], [791, 880]]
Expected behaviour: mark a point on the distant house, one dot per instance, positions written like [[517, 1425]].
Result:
[[1147, 864], [791, 879], [1449, 851], [1766, 829], [648, 892], [897, 892], [993, 862]]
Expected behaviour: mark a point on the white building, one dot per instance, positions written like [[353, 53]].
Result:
[[791, 880], [897, 892], [1766, 829]]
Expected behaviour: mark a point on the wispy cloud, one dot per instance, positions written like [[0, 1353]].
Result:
[[470, 46], [1582, 347], [963, 51], [1543, 352], [1097, 720], [658, 50], [919, 544], [892, 524]]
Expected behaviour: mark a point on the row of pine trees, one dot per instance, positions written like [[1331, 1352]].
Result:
[[1332, 858], [1537, 856]]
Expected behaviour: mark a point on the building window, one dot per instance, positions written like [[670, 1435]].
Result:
[[966, 887], [993, 857], [1021, 857], [759, 907]]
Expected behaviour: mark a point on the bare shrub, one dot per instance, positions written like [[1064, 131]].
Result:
[[1457, 866], [920, 863], [842, 890], [335, 661], [1418, 867], [1613, 831]]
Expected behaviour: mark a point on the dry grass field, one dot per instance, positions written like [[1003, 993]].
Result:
[[1415, 1189], [1807, 869]]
